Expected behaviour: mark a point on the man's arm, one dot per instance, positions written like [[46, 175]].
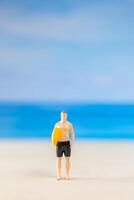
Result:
[[72, 134]]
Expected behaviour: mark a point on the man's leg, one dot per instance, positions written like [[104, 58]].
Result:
[[58, 168], [67, 167]]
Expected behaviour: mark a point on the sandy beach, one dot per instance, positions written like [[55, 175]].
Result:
[[99, 170]]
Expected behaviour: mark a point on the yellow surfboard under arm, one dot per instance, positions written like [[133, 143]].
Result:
[[56, 135]]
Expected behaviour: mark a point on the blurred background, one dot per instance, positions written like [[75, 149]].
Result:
[[67, 55]]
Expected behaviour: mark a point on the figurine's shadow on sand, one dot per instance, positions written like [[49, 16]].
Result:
[[46, 174]]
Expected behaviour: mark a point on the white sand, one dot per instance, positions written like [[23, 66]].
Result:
[[100, 170]]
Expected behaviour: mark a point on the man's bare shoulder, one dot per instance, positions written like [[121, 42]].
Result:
[[57, 124], [70, 124]]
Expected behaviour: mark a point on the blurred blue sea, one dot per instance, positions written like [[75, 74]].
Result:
[[100, 121]]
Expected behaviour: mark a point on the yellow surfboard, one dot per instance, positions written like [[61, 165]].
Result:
[[56, 135]]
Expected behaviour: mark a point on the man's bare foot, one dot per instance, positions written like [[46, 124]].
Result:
[[58, 178], [67, 178]]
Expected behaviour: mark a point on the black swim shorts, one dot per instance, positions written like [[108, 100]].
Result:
[[63, 147]]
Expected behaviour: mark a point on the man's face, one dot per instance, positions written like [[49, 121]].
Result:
[[64, 116]]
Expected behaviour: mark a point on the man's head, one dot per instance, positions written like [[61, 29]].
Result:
[[63, 116]]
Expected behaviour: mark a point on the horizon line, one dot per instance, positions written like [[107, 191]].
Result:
[[69, 102]]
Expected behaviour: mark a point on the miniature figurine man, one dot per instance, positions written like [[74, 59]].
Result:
[[60, 138]]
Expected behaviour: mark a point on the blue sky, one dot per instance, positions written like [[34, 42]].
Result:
[[68, 50]]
